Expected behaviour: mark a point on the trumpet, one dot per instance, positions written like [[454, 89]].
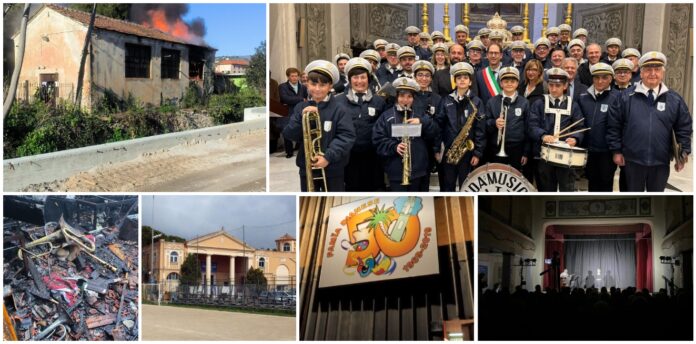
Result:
[[501, 132], [406, 158], [311, 135]]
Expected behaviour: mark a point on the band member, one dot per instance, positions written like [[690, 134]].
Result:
[[461, 34], [291, 94], [487, 78], [564, 38], [424, 52], [381, 47], [337, 130], [623, 74], [543, 129], [553, 35], [440, 60], [517, 52], [576, 49], [642, 125], [407, 56], [372, 56], [340, 60], [484, 37], [475, 50], [541, 52], [613, 49], [580, 34], [437, 37], [453, 114], [398, 153], [426, 101], [507, 121], [388, 72], [634, 56], [364, 171], [595, 104], [517, 36], [413, 38]]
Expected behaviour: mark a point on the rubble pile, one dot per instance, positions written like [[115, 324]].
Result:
[[75, 278]]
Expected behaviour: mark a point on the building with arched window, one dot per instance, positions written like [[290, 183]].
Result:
[[225, 260]]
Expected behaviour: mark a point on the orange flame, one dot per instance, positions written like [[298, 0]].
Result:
[[178, 28]]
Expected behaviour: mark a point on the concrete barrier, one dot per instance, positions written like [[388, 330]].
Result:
[[22, 172], [255, 113]]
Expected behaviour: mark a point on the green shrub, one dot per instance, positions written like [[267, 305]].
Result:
[[193, 96]]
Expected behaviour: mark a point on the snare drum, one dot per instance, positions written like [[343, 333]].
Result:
[[562, 155]]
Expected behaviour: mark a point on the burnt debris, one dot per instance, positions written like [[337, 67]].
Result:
[[70, 268]]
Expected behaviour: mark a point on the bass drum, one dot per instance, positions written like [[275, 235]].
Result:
[[496, 177], [562, 155]]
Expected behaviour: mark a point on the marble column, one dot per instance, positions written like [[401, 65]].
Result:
[[207, 273]]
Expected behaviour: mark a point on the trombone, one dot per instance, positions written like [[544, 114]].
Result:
[[311, 135], [501, 131]]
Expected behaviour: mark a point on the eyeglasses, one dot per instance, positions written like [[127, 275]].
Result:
[[622, 72]]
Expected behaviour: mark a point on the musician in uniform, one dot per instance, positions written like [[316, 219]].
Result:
[[437, 37], [613, 46], [413, 38], [576, 50], [552, 34], [475, 50], [392, 149], [381, 47], [426, 101], [407, 56], [541, 52], [364, 171], [580, 34], [594, 104], [643, 124], [338, 132], [424, 52], [519, 60], [517, 36], [544, 125], [389, 71], [453, 115], [633, 55], [461, 34], [483, 34], [623, 74], [372, 56], [340, 60], [507, 121], [564, 39]]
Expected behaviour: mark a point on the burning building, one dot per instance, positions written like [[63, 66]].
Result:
[[153, 58]]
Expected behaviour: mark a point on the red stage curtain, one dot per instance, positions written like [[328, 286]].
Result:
[[644, 259]]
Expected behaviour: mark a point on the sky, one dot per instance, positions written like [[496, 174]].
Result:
[[265, 217], [233, 29]]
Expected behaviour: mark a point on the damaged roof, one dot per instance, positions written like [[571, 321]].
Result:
[[121, 26]]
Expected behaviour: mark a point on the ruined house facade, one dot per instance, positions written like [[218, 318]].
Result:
[[125, 58], [224, 260]]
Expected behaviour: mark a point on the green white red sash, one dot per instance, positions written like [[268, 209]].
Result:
[[491, 82]]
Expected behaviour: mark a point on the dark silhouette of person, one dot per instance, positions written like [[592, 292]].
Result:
[[589, 280], [609, 281]]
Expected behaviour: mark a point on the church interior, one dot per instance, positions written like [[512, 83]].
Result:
[[585, 268]]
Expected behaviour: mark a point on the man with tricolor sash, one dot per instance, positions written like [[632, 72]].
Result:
[[487, 78]]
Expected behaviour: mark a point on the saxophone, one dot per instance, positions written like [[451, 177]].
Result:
[[462, 143]]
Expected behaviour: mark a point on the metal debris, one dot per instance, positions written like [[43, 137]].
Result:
[[70, 275]]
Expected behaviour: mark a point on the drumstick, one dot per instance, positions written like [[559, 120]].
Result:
[[570, 126], [573, 132]]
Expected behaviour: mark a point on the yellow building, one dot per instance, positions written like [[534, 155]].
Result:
[[224, 260]]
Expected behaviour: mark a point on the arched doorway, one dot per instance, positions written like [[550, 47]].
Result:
[[282, 274]]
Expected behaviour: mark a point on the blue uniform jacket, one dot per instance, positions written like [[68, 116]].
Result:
[[446, 119], [337, 139], [541, 123], [517, 122], [426, 102], [596, 112], [386, 75], [643, 131], [386, 144], [363, 116]]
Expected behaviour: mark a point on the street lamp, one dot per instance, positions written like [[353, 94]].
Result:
[[152, 255]]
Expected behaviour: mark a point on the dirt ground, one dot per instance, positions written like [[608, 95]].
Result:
[[233, 164], [181, 324]]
